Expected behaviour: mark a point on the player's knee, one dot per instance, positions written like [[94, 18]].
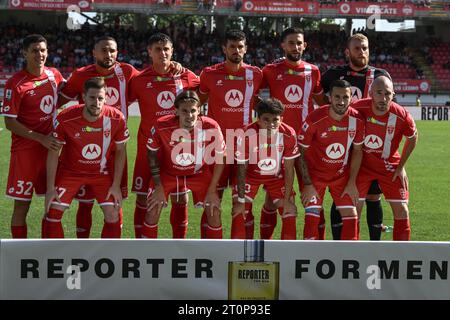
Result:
[[401, 211], [111, 214], [181, 200], [348, 212], [214, 220]]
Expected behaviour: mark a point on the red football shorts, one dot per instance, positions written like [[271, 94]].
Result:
[[197, 184], [335, 187], [27, 173], [141, 175], [274, 187], [393, 191], [68, 184]]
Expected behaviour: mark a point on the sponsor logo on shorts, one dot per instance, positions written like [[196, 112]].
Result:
[[91, 151]]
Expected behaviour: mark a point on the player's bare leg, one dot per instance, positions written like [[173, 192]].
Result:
[[179, 215], [111, 227], [204, 220], [19, 219], [402, 229]]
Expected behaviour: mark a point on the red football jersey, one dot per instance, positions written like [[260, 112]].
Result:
[[294, 86], [182, 152], [88, 145], [117, 82], [32, 101], [329, 142], [156, 94], [231, 95], [384, 134], [265, 154]]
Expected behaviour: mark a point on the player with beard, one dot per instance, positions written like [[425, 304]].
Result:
[[333, 135], [117, 76], [231, 88], [361, 76], [296, 83], [85, 158], [386, 125]]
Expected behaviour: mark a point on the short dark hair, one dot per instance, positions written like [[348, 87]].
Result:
[[234, 35], [340, 84], [186, 96], [158, 37], [94, 83], [32, 38], [269, 105], [291, 30], [104, 38]]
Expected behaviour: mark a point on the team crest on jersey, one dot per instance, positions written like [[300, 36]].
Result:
[[308, 77], [106, 133], [305, 126], [149, 85], [390, 129], [351, 133], [219, 83], [8, 94], [280, 148], [250, 83], [279, 77], [324, 135]]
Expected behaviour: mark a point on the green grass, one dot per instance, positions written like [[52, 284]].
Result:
[[427, 171]]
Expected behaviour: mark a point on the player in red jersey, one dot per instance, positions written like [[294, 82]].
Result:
[[85, 159], [265, 155], [231, 88], [182, 148], [334, 135], [29, 107], [117, 77], [296, 83], [386, 125], [155, 89]]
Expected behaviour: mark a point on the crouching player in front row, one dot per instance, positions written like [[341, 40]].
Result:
[[181, 149], [332, 137], [86, 160], [265, 154]]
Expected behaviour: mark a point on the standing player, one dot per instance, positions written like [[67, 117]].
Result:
[[85, 160], [269, 148], [29, 108], [231, 88], [386, 124], [361, 76], [182, 148], [296, 83], [334, 134], [117, 76], [155, 89]]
